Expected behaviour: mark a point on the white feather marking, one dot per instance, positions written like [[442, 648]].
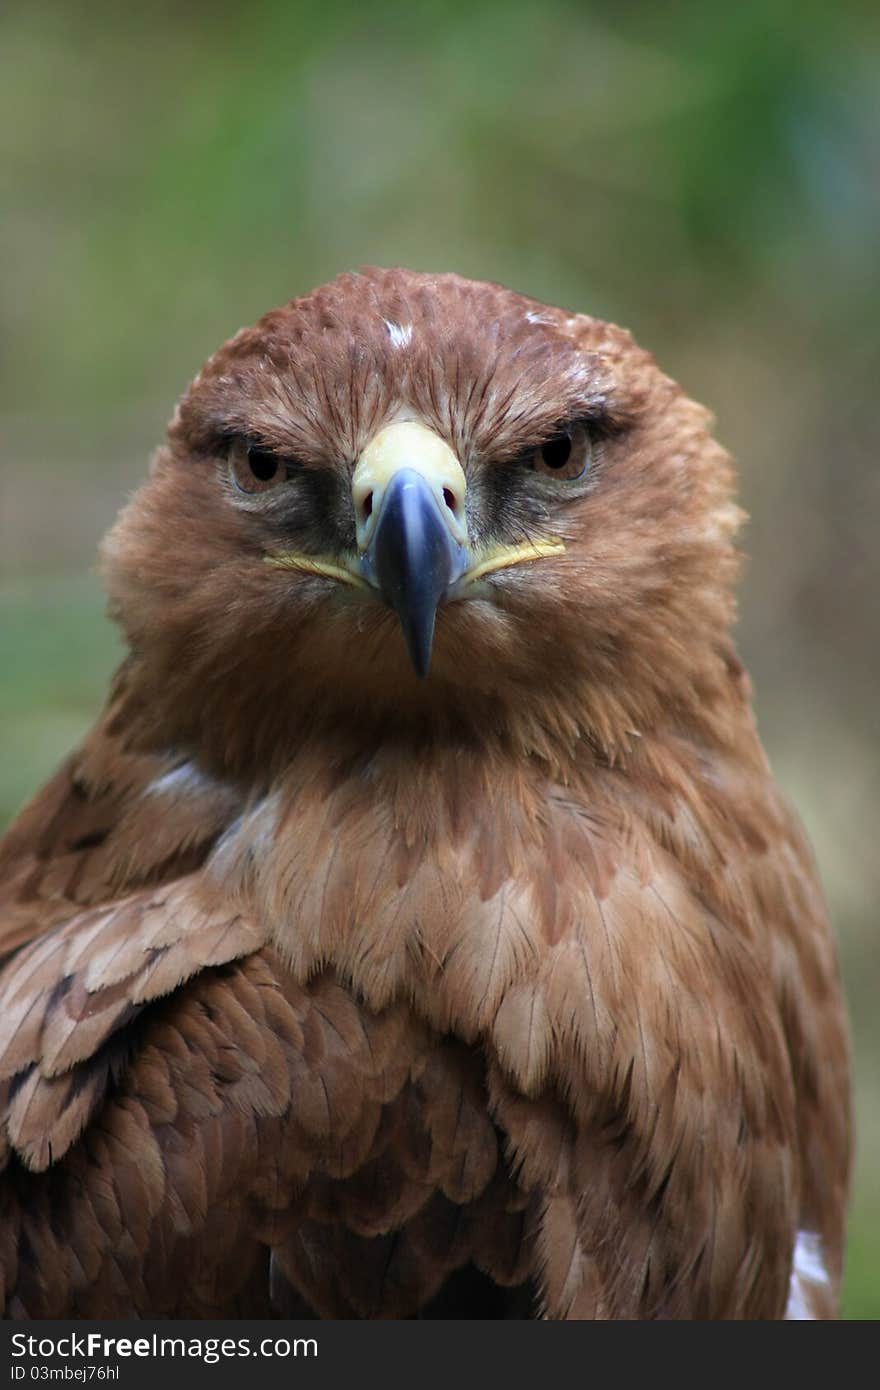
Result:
[[808, 1260], [184, 780], [808, 1268], [399, 333], [796, 1309], [247, 838]]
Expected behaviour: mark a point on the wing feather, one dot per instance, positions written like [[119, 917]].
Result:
[[113, 819]]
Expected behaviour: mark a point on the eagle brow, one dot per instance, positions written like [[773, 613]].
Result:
[[601, 421], [227, 436]]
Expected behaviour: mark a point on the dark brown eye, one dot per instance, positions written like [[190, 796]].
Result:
[[253, 469], [566, 456]]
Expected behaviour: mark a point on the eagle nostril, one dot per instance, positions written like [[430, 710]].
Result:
[[367, 505], [450, 499]]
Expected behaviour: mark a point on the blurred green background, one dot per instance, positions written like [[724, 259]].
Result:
[[708, 175]]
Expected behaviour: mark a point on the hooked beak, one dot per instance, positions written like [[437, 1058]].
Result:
[[409, 494], [413, 548], [415, 560]]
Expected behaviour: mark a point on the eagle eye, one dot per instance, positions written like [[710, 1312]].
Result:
[[566, 456], [254, 469]]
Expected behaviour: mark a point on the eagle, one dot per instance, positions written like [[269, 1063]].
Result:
[[419, 930]]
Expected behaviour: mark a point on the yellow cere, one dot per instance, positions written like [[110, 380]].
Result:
[[496, 558], [311, 564], [503, 556]]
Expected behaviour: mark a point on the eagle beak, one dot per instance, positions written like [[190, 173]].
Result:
[[409, 497], [409, 491]]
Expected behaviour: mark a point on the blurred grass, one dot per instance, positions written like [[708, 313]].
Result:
[[57, 652], [706, 175]]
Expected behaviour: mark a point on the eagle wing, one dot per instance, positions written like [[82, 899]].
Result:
[[116, 816], [635, 1126], [241, 1138], [671, 1072], [185, 1129]]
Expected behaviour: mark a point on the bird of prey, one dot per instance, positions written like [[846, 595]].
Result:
[[419, 931]]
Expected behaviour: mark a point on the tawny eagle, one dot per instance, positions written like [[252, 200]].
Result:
[[419, 931]]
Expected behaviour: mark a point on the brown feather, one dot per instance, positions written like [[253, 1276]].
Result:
[[332, 990]]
